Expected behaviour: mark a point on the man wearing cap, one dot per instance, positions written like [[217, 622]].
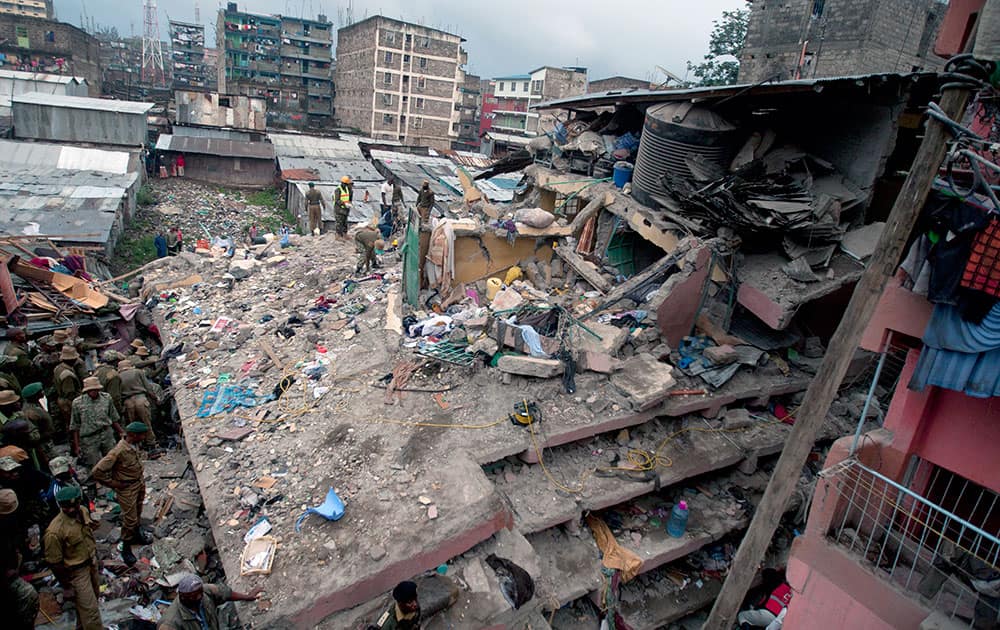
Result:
[[314, 206], [108, 377], [18, 600], [121, 470], [71, 553], [342, 205], [93, 423], [137, 391], [66, 384], [403, 612], [28, 484], [196, 606], [34, 412], [63, 476]]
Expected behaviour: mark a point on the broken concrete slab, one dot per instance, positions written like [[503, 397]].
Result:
[[737, 418], [530, 366], [677, 300], [598, 362], [612, 338], [721, 355], [861, 243], [587, 270], [644, 381]]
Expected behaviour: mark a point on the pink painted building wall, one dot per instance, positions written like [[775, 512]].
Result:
[[833, 587]]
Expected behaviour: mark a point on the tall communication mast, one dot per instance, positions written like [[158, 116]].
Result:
[[152, 50]]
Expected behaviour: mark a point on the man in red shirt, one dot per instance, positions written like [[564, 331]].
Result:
[[180, 165], [770, 613]]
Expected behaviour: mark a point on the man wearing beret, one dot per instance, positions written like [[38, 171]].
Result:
[[196, 606], [71, 553], [121, 470], [93, 423], [33, 411]]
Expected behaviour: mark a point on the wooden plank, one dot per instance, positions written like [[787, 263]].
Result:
[[265, 345], [585, 268]]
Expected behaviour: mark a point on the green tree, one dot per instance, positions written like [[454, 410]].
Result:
[[722, 65]]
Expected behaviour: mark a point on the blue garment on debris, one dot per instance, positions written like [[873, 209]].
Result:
[[959, 355], [227, 398], [332, 509]]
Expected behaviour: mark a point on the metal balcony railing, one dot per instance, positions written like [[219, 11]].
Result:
[[946, 561]]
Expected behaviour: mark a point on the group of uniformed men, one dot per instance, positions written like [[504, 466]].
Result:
[[106, 416]]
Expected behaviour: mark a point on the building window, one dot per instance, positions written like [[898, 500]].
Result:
[[406, 59], [386, 119], [502, 87], [817, 11], [386, 99], [421, 82], [454, 127], [418, 122], [422, 62], [21, 32], [388, 57], [524, 87], [426, 42], [388, 78], [390, 37], [405, 98], [418, 103], [536, 87]]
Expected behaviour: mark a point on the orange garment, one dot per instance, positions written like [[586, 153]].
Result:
[[615, 556]]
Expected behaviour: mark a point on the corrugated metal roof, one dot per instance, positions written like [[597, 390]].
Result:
[[54, 201], [303, 146], [43, 77], [215, 146], [34, 154], [606, 99], [83, 102], [331, 170], [509, 138], [470, 159]]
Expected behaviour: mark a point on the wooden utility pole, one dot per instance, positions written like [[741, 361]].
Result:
[[823, 388]]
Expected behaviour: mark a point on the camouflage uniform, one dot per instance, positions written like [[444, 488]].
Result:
[[19, 601], [112, 384], [93, 418]]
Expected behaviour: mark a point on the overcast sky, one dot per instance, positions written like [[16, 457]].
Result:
[[624, 37]]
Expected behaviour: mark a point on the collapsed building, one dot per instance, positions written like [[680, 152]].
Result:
[[576, 355]]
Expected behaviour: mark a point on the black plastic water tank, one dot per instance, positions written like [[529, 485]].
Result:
[[673, 131]]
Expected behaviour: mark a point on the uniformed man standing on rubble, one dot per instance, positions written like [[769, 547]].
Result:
[[314, 206], [344, 195], [71, 553], [33, 411], [93, 423], [137, 392], [121, 470], [425, 201], [66, 384], [109, 379]]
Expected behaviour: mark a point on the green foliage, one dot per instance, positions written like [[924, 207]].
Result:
[[269, 198], [133, 250], [721, 65], [145, 197]]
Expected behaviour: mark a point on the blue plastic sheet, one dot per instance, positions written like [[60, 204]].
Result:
[[225, 398], [959, 355], [332, 509]]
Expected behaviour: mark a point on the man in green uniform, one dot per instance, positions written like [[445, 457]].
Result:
[[137, 391], [367, 241], [66, 384], [71, 553], [8, 378], [18, 600], [93, 423], [403, 612], [121, 470], [33, 411], [9, 405], [425, 201], [343, 197], [196, 606], [314, 206]]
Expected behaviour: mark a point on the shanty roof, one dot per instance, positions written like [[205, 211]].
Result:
[[468, 158], [83, 102], [56, 201], [323, 170], [215, 146], [303, 146], [609, 98], [15, 154], [509, 138], [42, 77]]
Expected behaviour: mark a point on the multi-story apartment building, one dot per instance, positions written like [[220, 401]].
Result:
[[187, 56], [30, 8], [825, 38], [400, 81], [507, 102], [34, 44], [287, 60], [470, 106]]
